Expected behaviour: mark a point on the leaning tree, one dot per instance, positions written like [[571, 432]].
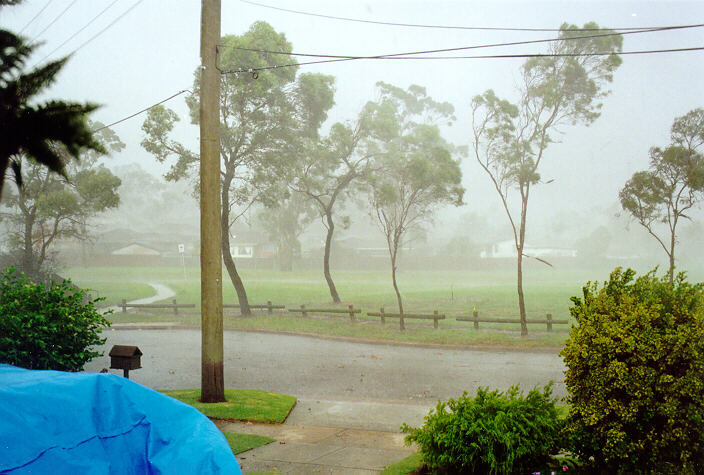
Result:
[[262, 113], [563, 87], [415, 171], [673, 184]]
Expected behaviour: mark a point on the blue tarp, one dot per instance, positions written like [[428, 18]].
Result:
[[56, 422]]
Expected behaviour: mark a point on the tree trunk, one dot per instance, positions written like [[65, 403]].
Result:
[[519, 263], [402, 324], [28, 259], [4, 163], [286, 247], [521, 301], [326, 258], [230, 262], [671, 255]]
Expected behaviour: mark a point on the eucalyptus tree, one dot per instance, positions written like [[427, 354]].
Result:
[[672, 185], [50, 132], [284, 222], [263, 114], [50, 206], [562, 88], [328, 172], [415, 169]]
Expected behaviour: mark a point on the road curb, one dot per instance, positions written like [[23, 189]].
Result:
[[349, 339]]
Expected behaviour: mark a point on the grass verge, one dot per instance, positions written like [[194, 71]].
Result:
[[404, 466], [242, 404], [242, 442]]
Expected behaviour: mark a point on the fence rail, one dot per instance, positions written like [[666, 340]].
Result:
[[350, 310], [270, 307], [435, 316], [174, 305], [548, 320]]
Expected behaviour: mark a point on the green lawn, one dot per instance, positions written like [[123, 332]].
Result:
[[242, 404], [404, 466], [491, 293], [242, 442]]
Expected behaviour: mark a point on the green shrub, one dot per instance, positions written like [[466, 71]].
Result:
[[494, 432], [635, 375], [47, 327]]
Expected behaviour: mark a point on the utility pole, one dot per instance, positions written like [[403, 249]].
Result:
[[212, 378]]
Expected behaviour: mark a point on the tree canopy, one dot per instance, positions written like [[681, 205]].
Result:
[[50, 206], [673, 184], [414, 168], [49, 132], [565, 88], [262, 119]]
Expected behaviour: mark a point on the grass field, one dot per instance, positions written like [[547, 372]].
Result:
[[491, 293]]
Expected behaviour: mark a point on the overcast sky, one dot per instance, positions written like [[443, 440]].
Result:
[[151, 52]]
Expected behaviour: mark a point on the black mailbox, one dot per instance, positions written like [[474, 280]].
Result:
[[125, 357]]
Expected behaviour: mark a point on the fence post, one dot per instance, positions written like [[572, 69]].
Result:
[[383, 319], [303, 311], [549, 317], [435, 320], [475, 315], [124, 305], [351, 308], [175, 307], [269, 307]]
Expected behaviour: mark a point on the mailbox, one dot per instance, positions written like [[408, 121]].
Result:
[[125, 357]]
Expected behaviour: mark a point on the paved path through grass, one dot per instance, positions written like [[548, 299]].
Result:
[[162, 292]]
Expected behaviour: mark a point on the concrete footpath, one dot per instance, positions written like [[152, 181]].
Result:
[[340, 437]]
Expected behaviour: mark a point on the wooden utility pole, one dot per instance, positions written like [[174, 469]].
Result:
[[212, 378]]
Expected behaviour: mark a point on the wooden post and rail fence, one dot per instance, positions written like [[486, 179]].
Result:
[[270, 307], [435, 316], [351, 311], [548, 321], [174, 305]]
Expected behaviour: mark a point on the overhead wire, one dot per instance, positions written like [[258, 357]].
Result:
[[107, 27], [417, 25], [488, 56], [141, 111], [464, 48], [54, 20], [35, 17], [80, 30]]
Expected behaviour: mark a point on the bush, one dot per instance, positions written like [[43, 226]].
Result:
[[47, 327], [635, 375], [494, 432]]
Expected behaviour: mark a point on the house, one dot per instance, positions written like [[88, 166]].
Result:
[[136, 249], [507, 249]]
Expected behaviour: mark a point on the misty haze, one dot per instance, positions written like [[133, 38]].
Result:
[[416, 199]]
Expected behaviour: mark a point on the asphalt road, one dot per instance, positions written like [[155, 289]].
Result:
[[313, 368]]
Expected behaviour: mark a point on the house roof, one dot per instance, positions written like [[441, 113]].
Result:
[[136, 249]]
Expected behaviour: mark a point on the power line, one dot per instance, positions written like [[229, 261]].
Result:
[[488, 56], [104, 29], [54, 20], [142, 111], [416, 25], [463, 48], [35, 17], [80, 30]]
